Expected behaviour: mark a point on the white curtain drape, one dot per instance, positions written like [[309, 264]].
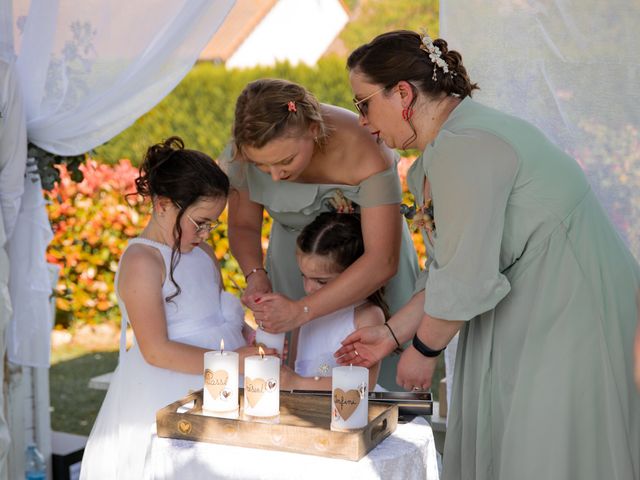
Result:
[[572, 68], [87, 70]]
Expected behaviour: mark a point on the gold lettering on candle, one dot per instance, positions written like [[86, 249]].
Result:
[[346, 402], [215, 381], [254, 388]]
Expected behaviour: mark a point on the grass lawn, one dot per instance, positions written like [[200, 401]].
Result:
[[74, 405]]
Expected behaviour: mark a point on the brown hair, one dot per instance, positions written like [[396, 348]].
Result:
[[183, 176], [263, 113], [338, 236], [395, 56]]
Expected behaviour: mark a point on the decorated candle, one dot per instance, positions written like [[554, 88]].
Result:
[[270, 340], [349, 398], [220, 392], [262, 385]]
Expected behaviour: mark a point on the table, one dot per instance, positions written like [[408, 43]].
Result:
[[409, 453]]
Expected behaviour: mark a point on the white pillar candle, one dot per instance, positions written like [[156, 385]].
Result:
[[349, 398], [220, 392], [270, 340], [262, 386]]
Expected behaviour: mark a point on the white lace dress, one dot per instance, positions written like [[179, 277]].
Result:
[[201, 315]]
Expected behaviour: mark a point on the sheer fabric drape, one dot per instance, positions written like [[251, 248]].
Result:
[[87, 70], [571, 67]]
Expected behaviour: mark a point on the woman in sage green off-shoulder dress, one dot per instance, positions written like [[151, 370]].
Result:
[[330, 162], [524, 263]]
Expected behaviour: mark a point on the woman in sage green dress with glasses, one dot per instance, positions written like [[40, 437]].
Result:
[[524, 263], [297, 158]]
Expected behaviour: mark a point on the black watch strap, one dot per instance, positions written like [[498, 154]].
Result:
[[423, 349]]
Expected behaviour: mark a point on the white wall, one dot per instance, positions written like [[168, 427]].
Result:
[[294, 30]]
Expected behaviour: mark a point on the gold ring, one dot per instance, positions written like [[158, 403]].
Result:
[[416, 389]]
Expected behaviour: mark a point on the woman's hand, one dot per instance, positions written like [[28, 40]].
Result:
[[366, 346], [415, 371], [258, 284], [275, 313], [289, 379]]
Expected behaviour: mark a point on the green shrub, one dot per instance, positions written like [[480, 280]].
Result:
[[200, 109]]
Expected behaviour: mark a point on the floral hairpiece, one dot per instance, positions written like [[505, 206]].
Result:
[[426, 44], [291, 105], [338, 203]]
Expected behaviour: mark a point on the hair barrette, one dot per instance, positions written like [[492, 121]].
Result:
[[291, 105]]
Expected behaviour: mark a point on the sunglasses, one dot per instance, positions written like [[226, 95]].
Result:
[[362, 106]]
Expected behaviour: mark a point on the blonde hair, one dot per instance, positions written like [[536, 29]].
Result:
[[270, 108]]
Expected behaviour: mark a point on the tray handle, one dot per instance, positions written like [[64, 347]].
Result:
[[378, 430]]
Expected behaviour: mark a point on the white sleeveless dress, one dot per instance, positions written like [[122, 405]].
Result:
[[200, 315], [319, 339]]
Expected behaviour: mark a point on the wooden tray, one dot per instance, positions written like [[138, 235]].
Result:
[[304, 427]]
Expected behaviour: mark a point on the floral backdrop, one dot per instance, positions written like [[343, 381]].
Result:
[[92, 221]]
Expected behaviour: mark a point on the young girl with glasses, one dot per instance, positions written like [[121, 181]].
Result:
[[169, 290], [325, 248]]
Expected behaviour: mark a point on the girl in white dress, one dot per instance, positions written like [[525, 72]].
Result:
[[325, 248], [169, 290]]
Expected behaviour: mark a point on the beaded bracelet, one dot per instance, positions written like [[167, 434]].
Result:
[[246, 277], [423, 349]]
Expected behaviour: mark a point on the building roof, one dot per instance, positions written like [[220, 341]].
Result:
[[242, 19]]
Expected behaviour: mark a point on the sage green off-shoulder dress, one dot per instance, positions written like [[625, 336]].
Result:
[[294, 205], [523, 252]]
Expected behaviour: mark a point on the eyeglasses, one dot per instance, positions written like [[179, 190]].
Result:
[[203, 227], [363, 105]]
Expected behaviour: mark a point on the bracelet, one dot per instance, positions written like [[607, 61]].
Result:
[[393, 334], [246, 277], [423, 349]]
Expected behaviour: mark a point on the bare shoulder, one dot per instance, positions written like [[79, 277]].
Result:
[[141, 264], [354, 146], [368, 314]]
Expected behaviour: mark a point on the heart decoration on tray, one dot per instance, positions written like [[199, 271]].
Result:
[[346, 402], [184, 427], [215, 381], [254, 388]]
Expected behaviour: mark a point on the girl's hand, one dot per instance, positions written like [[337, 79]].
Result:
[[288, 378], [366, 346], [415, 371], [275, 313], [250, 350], [257, 285]]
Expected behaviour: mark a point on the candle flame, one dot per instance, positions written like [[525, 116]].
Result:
[[222, 345], [261, 351]]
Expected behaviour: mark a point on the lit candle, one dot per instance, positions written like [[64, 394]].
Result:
[[270, 340], [220, 381], [262, 385], [350, 398]]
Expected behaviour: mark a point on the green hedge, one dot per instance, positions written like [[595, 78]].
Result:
[[200, 109]]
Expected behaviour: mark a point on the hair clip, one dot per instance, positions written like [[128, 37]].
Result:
[[435, 55], [291, 105]]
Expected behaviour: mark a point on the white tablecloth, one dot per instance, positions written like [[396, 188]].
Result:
[[409, 453]]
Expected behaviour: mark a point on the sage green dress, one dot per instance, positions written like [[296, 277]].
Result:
[[294, 205], [523, 252]]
